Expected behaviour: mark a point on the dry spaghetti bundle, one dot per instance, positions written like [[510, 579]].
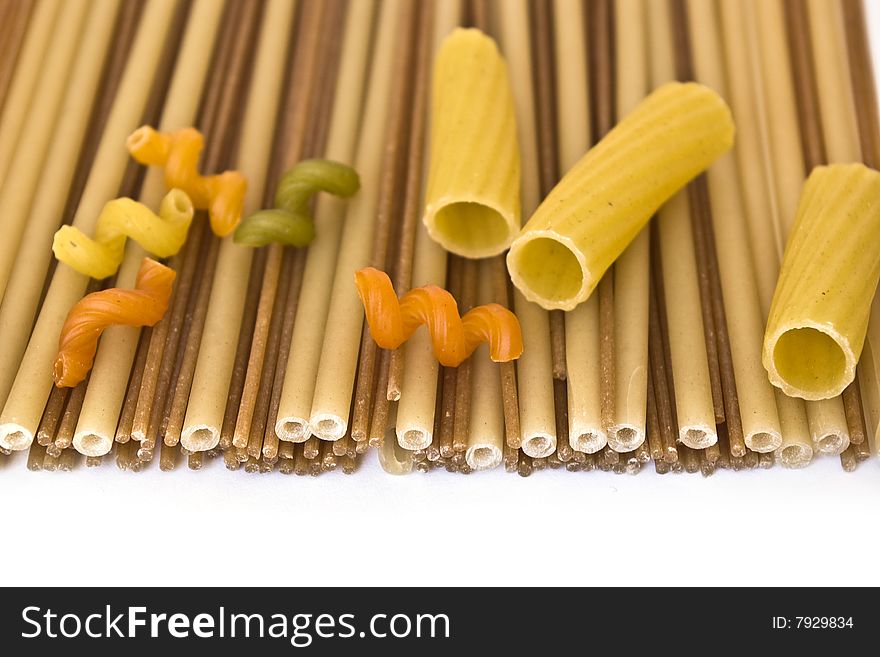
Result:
[[143, 306], [221, 194], [454, 337], [100, 257], [460, 116]]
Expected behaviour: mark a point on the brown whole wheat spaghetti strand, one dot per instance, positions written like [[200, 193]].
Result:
[[545, 114], [413, 184]]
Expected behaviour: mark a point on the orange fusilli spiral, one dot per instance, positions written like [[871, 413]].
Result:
[[222, 194], [454, 337], [145, 305]]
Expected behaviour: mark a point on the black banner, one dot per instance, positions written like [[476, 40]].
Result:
[[429, 621]]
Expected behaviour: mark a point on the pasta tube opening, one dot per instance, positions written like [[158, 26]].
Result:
[[470, 227], [551, 268], [809, 358], [819, 315], [604, 201]]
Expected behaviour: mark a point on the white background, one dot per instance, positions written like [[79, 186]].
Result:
[[214, 527]]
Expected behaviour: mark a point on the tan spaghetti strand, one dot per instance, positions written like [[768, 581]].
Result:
[[632, 270], [419, 399], [535, 368], [27, 73], [681, 281], [585, 430], [21, 181], [334, 387], [745, 322]]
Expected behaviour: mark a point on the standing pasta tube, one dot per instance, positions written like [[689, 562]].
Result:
[[473, 206], [603, 202], [820, 310]]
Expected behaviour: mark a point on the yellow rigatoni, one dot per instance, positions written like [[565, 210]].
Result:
[[603, 202], [161, 235], [473, 204], [829, 274]]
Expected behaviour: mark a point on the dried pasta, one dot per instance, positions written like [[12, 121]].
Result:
[[472, 200], [603, 202], [221, 194], [162, 234], [290, 221], [143, 306], [822, 303], [454, 337]]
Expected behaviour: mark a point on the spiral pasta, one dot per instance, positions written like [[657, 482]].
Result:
[[222, 194], [290, 222], [454, 337], [162, 235], [143, 306]]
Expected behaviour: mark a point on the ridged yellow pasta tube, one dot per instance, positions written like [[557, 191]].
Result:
[[820, 310], [603, 202], [162, 234], [473, 195]]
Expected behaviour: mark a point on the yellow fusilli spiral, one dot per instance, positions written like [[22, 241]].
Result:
[[100, 257]]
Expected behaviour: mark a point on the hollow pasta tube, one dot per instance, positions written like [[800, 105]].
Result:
[[162, 234], [145, 305], [222, 194], [392, 321], [603, 202], [822, 303], [290, 221], [473, 193]]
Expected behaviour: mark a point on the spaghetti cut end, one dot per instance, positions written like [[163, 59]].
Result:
[[414, 439], [810, 362], [15, 437], [698, 437], [539, 446], [292, 429], [549, 271], [483, 457], [470, 229], [88, 443], [200, 438], [795, 456], [832, 443], [589, 442], [625, 438], [764, 441], [328, 427]]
